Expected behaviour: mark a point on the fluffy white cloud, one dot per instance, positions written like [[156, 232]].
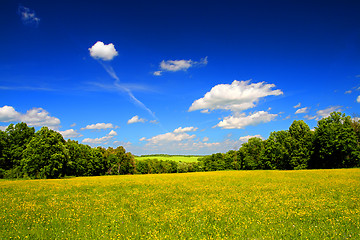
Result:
[[358, 99], [8, 114], [297, 105], [3, 128], [97, 141], [34, 117], [104, 52], [39, 117], [98, 126], [70, 133], [178, 65], [28, 16], [302, 110], [240, 121], [185, 129], [136, 119], [237, 96]]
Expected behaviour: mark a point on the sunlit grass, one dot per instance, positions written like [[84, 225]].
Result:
[[313, 204]]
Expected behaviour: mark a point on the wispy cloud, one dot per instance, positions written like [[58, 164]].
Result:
[[28, 16], [98, 126], [178, 65], [107, 55], [302, 110], [297, 105]]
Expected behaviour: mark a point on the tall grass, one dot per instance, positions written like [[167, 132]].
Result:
[[309, 204]]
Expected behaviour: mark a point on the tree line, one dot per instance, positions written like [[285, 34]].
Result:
[[334, 143], [25, 153]]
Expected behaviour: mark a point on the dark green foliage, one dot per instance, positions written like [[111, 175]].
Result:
[[251, 154], [335, 143], [16, 137], [46, 155], [301, 143], [278, 150]]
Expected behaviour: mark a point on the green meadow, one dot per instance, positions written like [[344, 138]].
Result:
[[177, 158], [303, 204]]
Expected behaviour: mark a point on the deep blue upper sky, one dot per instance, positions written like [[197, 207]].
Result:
[[174, 68]]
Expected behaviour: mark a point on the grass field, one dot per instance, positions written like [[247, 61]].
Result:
[[171, 157], [309, 204]]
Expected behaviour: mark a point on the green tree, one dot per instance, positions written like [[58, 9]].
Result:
[[18, 136], [301, 144], [251, 154], [278, 150], [46, 155], [335, 143]]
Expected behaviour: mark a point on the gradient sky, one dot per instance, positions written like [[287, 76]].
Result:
[[177, 77]]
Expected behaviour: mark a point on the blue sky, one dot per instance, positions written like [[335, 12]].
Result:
[[177, 77]]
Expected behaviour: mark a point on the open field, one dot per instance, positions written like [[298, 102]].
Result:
[[177, 158], [313, 204]]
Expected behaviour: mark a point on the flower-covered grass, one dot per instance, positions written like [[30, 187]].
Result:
[[306, 204]]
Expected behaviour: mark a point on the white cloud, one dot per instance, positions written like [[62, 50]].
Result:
[[112, 133], [157, 73], [177, 135], [28, 16], [175, 65], [104, 52], [37, 117], [205, 139], [185, 129], [348, 92], [98, 126], [326, 112], [297, 105], [178, 65], [358, 99], [169, 137], [246, 138], [3, 128], [70, 133], [302, 110], [8, 114], [237, 96], [240, 121], [309, 117], [136, 119], [101, 140]]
